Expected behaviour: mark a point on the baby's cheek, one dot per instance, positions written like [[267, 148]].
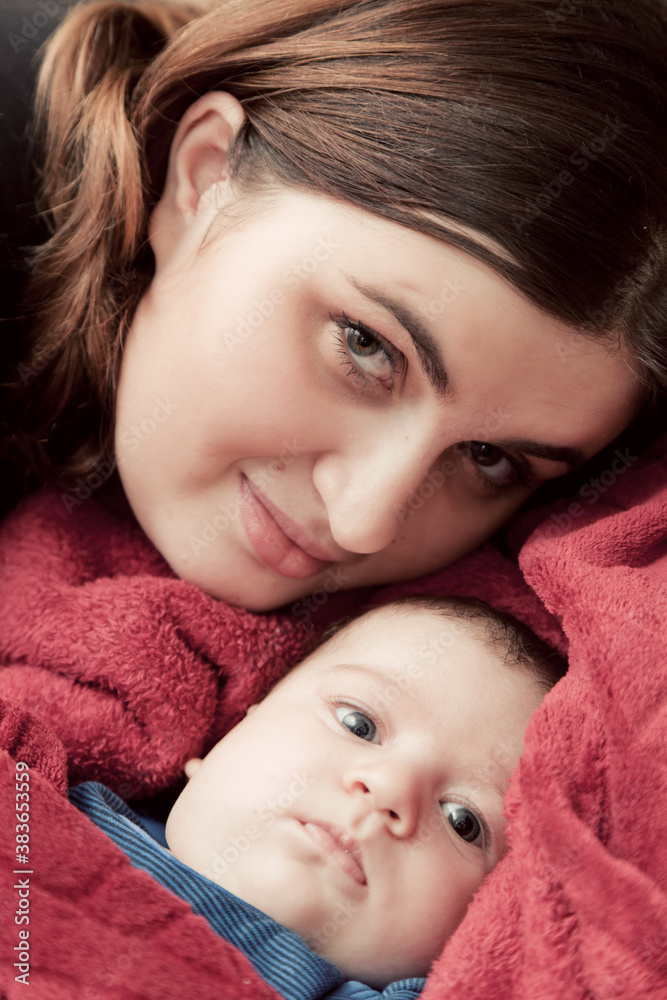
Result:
[[447, 889]]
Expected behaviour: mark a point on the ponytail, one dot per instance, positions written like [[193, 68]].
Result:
[[85, 281]]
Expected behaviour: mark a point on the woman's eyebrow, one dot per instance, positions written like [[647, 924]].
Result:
[[431, 361], [539, 449], [426, 345]]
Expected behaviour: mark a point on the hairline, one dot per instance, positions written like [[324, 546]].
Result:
[[501, 633]]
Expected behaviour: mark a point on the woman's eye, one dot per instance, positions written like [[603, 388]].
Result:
[[357, 723], [494, 467], [366, 354], [464, 822], [495, 462]]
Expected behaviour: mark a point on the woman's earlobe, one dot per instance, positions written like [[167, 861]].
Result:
[[197, 168]]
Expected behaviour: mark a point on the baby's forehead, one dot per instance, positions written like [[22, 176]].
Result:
[[426, 672], [397, 639], [411, 626]]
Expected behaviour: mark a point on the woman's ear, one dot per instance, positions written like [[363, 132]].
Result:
[[192, 766], [197, 183]]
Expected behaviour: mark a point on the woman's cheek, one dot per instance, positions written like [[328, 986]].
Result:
[[453, 515]]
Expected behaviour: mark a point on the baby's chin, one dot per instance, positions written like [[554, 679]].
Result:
[[338, 942], [377, 973]]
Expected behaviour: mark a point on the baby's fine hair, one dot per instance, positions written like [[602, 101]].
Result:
[[506, 636], [537, 123]]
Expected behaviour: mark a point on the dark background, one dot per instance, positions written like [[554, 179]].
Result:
[[24, 27]]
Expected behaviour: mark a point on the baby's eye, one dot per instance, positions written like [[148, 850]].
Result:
[[463, 821], [356, 722]]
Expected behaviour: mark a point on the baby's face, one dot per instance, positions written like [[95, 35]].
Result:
[[360, 804]]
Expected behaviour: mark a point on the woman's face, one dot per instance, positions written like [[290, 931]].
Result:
[[314, 397]]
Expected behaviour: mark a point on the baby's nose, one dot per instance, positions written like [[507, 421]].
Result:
[[394, 793]]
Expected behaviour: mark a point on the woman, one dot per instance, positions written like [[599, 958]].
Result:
[[314, 260]]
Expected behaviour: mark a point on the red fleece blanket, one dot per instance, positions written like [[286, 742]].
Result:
[[115, 670]]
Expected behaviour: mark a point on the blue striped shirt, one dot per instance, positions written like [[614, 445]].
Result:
[[280, 956]]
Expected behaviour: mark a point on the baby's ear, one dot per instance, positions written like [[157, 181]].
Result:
[[192, 766]]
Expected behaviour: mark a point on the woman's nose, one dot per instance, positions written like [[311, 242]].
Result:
[[394, 790], [366, 488]]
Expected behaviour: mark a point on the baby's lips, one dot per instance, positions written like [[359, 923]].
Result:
[[340, 846]]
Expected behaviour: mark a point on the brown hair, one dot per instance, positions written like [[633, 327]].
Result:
[[537, 123]]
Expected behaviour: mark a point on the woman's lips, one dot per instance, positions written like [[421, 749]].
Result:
[[271, 544], [340, 847]]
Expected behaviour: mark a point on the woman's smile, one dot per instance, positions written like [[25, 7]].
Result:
[[277, 541]]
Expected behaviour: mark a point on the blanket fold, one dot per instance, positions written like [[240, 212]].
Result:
[[587, 805], [115, 670], [97, 927], [127, 663]]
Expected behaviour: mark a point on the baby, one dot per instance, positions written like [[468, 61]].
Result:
[[360, 804]]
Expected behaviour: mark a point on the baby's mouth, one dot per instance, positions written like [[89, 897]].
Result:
[[340, 847]]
